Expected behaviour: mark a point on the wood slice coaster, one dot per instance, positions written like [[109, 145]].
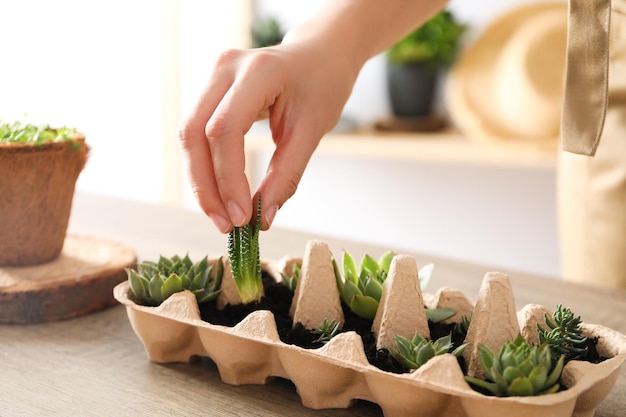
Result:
[[80, 281]]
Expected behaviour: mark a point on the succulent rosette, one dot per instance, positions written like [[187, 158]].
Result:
[[519, 370], [154, 282]]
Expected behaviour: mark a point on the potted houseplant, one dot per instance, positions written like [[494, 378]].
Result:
[[39, 166], [266, 32], [415, 62], [490, 360]]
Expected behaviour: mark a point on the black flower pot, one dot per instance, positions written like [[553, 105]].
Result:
[[411, 89]]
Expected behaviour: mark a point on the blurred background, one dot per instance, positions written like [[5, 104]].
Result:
[[124, 72]]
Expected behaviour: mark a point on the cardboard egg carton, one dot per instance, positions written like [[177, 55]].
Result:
[[337, 374]]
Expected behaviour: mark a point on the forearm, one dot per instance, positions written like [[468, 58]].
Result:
[[359, 29]]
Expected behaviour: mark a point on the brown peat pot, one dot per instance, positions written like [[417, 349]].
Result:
[[36, 192]]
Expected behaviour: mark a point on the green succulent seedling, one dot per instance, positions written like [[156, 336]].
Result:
[[291, 281], [327, 331], [154, 282], [565, 335], [519, 370], [245, 259], [19, 132], [414, 353], [361, 289], [462, 327]]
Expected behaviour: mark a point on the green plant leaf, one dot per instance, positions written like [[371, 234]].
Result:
[[385, 261], [370, 265], [349, 269], [364, 306], [350, 290], [424, 354], [437, 315], [171, 285], [155, 289], [520, 387], [138, 285], [374, 289]]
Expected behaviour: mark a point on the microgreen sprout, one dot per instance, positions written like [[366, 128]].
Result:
[[18, 132], [245, 261]]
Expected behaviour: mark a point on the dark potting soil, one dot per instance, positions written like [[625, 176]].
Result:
[[277, 299]]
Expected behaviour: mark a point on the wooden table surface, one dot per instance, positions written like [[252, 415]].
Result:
[[96, 366]]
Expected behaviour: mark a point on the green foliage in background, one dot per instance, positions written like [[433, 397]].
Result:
[[434, 45], [19, 132], [266, 32]]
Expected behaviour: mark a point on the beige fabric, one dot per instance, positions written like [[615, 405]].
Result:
[[592, 190], [585, 102]]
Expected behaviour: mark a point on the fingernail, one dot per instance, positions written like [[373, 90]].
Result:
[[270, 213], [235, 213], [221, 223]]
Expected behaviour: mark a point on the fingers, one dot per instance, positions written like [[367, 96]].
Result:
[[251, 94], [239, 92], [195, 148]]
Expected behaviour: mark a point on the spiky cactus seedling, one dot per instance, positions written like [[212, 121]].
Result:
[[245, 260], [565, 335], [519, 370], [153, 282], [412, 354]]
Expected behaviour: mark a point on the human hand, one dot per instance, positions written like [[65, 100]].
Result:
[[301, 86]]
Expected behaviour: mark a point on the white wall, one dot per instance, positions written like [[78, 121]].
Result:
[[122, 72]]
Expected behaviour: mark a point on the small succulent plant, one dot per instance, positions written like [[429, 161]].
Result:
[[463, 326], [153, 282], [414, 353], [519, 370], [327, 331], [18, 132], [291, 281], [361, 289], [245, 260], [565, 335]]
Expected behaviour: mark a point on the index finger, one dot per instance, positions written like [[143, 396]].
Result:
[[249, 95]]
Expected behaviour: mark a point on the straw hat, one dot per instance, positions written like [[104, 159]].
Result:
[[508, 84]]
